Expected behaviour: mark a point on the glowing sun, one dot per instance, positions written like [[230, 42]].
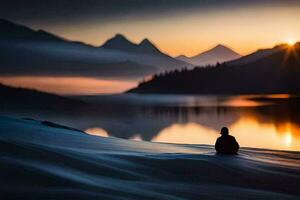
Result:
[[290, 42]]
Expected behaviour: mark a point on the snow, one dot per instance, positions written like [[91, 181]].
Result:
[[41, 161]]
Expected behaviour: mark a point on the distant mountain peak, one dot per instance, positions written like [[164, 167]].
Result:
[[221, 47], [121, 59], [145, 41], [219, 53], [147, 46], [119, 36], [119, 42], [182, 57]]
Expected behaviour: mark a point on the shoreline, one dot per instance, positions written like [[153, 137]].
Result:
[[41, 161]]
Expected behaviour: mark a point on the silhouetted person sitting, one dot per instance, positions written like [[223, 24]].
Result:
[[226, 144]]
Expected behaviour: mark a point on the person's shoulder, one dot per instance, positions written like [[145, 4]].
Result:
[[231, 137], [219, 138]]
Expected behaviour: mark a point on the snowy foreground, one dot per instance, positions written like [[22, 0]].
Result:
[[40, 160]]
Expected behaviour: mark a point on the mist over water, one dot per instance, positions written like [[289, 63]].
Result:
[[65, 85], [269, 121]]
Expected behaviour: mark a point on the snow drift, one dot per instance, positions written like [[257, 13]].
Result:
[[43, 160]]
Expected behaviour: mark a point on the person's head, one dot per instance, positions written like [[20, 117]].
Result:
[[224, 131]]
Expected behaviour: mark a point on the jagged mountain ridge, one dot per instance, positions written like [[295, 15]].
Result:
[[120, 42], [25, 51]]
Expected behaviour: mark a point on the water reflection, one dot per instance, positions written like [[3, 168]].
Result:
[[190, 133], [256, 121], [272, 124], [249, 131], [97, 131]]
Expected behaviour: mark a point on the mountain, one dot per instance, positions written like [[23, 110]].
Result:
[[268, 71], [148, 47], [219, 53], [11, 31], [120, 42], [183, 58], [24, 51], [257, 55]]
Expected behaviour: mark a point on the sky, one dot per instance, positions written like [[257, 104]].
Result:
[[175, 26]]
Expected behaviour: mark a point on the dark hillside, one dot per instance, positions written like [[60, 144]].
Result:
[[278, 72]]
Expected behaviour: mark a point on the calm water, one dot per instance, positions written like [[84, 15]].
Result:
[[270, 121]]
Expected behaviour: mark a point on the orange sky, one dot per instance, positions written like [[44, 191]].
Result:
[[69, 85], [245, 29]]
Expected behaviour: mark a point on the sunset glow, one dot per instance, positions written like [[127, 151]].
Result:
[[291, 42], [176, 28], [150, 99], [69, 85], [246, 130], [190, 30]]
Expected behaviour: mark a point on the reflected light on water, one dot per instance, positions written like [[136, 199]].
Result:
[[97, 132], [286, 130], [190, 133], [247, 130], [277, 96], [288, 139], [251, 133], [236, 102], [198, 120], [136, 138]]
